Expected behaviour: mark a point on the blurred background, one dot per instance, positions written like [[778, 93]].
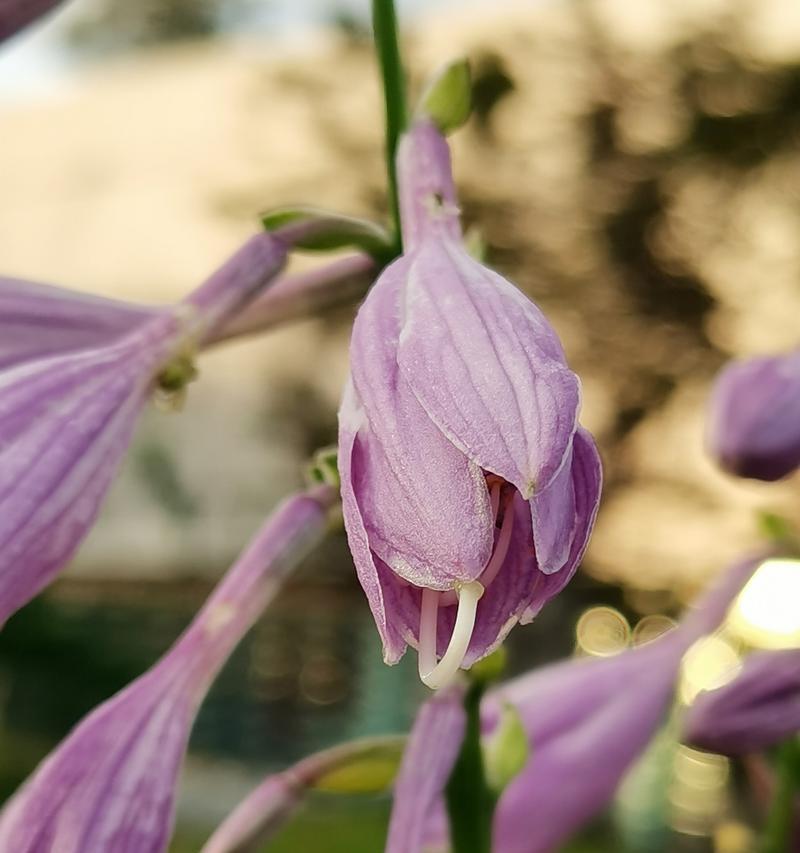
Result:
[[633, 166]]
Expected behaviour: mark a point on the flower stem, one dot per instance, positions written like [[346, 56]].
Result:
[[780, 822], [384, 25], [470, 802]]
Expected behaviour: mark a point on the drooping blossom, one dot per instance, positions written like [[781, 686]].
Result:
[[587, 721], [16, 14], [268, 807], [75, 373], [110, 786], [757, 709], [754, 417], [469, 489]]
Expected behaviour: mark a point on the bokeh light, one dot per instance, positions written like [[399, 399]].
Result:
[[602, 632], [767, 613], [709, 663], [698, 795]]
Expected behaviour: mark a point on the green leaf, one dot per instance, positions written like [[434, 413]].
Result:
[[506, 752], [447, 100], [322, 231]]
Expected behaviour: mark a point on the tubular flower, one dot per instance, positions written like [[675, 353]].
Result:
[[758, 709], [754, 417], [110, 785], [75, 372], [469, 490], [588, 721]]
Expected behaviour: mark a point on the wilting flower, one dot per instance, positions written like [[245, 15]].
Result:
[[16, 14], [757, 709], [110, 785], [754, 417], [587, 721], [469, 489], [75, 372]]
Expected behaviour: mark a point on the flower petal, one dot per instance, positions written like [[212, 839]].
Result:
[[487, 367], [64, 425], [37, 320], [351, 419], [432, 749], [554, 519], [424, 505], [587, 483], [755, 711]]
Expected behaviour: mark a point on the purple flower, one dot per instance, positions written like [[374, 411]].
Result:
[[428, 760], [110, 785], [758, 709], [469, 489], [16, 14], [75, 372], [754, 417], [587, 721]]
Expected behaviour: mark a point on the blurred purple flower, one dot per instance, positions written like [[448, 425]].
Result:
[[75, 372], [428, 760], [469, 490], [110, 785], [754, 417], [758, 709], [587, 721], [16, 14]]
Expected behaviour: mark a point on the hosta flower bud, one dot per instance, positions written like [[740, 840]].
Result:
[[469, 489], [758, 709], [754, 417]]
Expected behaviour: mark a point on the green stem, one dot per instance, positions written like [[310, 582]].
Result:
[[470, 802], [780, 822], [384, 25]]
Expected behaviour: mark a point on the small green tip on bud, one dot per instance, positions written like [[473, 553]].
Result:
[[177, 374], [506, 751], [490, 668], [323, 468], [476, 244], [447, 100]]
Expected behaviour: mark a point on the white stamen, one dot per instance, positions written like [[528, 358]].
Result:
[[436, 675], [501, 549]]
